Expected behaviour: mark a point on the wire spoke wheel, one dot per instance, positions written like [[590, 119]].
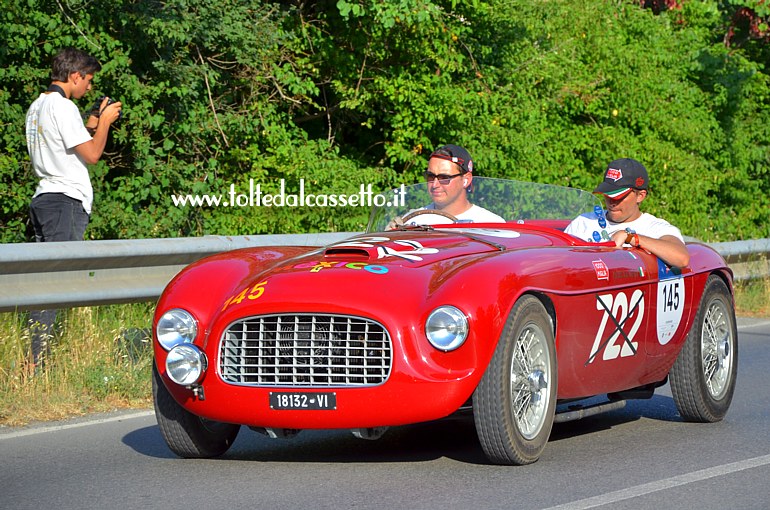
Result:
[[715, 345], [515, 402], [529, 381], [703, 376]]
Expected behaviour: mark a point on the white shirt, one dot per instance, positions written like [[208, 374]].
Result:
[[475, 214], [54, 129], [587, 227]]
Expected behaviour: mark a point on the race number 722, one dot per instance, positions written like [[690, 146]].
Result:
[[621, 310]]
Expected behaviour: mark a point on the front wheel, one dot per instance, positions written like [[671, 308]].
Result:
[[186, 434], [515, 402], [703, 376]]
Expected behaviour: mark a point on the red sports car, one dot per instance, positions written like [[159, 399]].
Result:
[[518, 321]]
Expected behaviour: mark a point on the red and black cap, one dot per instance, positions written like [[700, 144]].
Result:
[[621, 176]]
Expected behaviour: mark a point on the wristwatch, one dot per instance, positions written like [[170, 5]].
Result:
[[632, 238]]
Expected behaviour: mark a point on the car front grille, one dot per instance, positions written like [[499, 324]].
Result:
[[305, 350]]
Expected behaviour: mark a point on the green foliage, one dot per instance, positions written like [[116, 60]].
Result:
[[339, 94]]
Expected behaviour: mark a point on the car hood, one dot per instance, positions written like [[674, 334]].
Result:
[[406, 265], [412, 249], [417, 248], [410, 268]]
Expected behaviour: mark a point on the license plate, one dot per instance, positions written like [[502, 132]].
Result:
[[285, 401]]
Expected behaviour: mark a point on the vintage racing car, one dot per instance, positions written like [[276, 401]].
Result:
[[518, 321]]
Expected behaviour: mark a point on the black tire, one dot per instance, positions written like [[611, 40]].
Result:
[[515, 402], [703, 376], [186, 434]]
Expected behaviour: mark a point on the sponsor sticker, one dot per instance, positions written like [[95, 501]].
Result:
[[601, 270]]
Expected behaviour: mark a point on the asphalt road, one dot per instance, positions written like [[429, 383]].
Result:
[[640, 457]]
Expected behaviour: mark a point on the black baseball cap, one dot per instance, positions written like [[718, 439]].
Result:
[[621, 176], [455, 154]]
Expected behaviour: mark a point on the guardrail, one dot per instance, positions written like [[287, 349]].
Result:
[[748, 259], [84, 273]]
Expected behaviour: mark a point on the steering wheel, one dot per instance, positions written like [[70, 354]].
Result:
[[436, 212]]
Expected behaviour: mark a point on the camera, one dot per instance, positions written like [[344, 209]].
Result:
[[96, 108]]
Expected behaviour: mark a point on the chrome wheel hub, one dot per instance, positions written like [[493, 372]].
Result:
[[716, 349], [530, 379]]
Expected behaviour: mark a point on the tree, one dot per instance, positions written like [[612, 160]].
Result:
[[335, 94]]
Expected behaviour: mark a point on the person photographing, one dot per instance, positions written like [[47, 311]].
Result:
[[60, 147]]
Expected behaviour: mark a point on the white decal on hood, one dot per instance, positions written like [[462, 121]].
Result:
[[412, 252]]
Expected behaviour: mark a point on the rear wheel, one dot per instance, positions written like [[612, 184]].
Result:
[[186, 434], [703, 376], [515, 402]]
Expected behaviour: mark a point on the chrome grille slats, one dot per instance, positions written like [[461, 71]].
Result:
[[305, 350]]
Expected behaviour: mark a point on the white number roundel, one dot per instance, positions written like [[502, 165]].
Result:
[[670, 305]]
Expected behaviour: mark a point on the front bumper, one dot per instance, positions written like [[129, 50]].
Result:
[[376, 377]]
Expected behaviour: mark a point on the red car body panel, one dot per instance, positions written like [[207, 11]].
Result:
[[620, 318]]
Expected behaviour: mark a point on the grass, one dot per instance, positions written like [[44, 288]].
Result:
[[101, 361], [752, 298]]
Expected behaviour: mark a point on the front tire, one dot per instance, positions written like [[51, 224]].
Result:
[[703, 376], [515, 402], [186, 434]]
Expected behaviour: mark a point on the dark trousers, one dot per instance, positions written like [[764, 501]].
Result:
[[55, 217]]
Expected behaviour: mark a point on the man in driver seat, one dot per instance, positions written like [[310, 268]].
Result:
[[449, 176]]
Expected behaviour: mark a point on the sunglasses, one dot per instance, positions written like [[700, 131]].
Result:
[[441, 178]]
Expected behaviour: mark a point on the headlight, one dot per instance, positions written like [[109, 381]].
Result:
[[176, 327], [185, 364], [446, 328]]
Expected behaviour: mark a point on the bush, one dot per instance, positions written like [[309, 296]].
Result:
[[343, 93]]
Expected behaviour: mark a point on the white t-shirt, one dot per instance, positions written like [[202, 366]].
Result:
[[54, 129], [475, 214], [587, 227]]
